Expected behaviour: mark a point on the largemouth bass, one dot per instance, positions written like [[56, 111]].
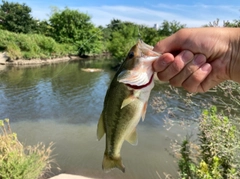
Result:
[[125, 103]]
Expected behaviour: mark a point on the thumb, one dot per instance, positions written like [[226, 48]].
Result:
[[169, 44], [184, 39]]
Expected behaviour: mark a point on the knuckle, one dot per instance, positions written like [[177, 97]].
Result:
[[175, 82], [181, 32], [175, 67], [190, 87], [158, 47], [162, 77]]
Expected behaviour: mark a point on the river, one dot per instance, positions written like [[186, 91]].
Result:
[[61, 103]]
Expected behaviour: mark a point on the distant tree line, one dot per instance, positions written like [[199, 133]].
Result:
[[76, 29]]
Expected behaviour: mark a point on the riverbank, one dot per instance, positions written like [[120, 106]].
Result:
[[4, 60]]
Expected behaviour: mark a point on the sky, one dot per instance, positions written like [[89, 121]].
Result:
[[146, 12]]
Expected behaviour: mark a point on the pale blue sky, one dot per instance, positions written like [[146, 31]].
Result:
[[148, 12]]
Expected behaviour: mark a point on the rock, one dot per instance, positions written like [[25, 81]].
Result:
[[3, 58], [67, 176]]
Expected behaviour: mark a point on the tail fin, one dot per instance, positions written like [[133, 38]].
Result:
[[109, 164]]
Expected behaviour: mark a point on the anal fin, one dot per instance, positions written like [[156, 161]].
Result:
[[144, 111], [132, 137]]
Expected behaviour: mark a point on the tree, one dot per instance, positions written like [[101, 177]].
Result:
[[43, 27], [149, 35], [169, 28], [216, 23], [235, 23], [115, 25], [123, 36], [73, 27], [16, 17]]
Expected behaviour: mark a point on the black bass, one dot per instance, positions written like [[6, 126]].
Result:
[[125, 103]]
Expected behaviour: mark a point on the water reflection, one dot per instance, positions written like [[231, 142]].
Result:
[[78, 151], [51, 92], [62, 103]]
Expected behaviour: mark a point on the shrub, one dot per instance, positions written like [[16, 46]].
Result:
[[29, 46], [218, 150], [19, 162], [13, 51]]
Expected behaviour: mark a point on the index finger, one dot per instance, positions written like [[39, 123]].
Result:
[[181, 40]]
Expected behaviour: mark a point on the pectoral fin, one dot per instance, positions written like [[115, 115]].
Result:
[[100, 128], [127, 101], [132, 137]]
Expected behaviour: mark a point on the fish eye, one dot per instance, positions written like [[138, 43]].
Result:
[[131, 55]]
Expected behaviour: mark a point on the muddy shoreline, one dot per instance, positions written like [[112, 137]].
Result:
[[4, 60]]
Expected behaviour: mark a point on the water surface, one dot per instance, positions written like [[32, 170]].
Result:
[[62, 103]]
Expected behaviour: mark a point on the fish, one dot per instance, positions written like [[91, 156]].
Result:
[[125, 103]]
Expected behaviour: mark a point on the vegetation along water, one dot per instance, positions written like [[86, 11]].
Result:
[[62, 102]]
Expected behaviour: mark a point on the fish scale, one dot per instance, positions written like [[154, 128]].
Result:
[[125, 103]]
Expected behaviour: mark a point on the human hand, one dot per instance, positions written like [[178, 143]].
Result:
[[205, 57]]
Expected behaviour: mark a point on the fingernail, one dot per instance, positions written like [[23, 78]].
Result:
[[187, 56], [199, 59], [206, 67]]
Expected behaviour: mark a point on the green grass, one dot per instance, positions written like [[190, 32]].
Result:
[[216, 155], [31, 46], [21, 162]]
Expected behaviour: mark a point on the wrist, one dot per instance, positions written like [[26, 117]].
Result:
[[234, 65]]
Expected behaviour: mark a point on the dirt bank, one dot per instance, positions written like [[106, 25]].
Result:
[[4, 60]]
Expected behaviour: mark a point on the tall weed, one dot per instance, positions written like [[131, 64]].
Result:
[[213, 149], [18, 161], [217, 151]]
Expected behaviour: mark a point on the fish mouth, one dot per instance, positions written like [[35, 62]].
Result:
[[140, 86]]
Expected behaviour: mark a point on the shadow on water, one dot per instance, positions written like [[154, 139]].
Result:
[[62, 103]]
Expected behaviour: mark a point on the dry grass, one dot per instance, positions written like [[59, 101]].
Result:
[[218, 131], [20, 162]]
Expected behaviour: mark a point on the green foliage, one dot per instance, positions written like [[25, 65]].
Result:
[[186, 165], [44, 28], [150, 35], [19, 162], [235, 23], [16, 17], [215, 23], [219, 149], [169, 28], [123, 37], [14, 52], [32, 46], [73, 27]]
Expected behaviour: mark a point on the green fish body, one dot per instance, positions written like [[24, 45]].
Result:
[[126, 103]]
